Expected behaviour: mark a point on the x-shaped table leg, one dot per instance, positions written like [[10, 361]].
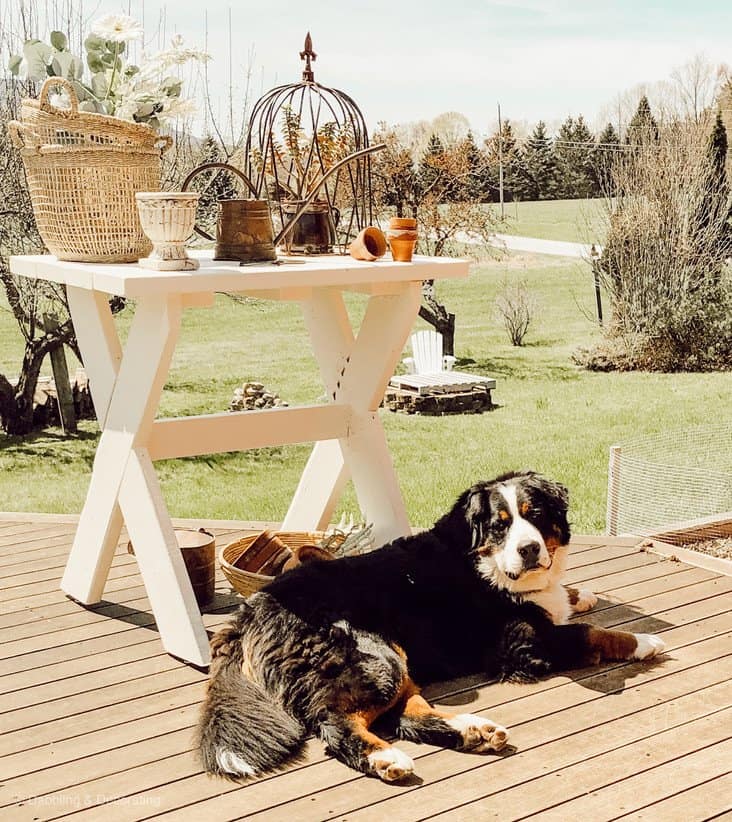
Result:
[[126, 391], [356, 372]]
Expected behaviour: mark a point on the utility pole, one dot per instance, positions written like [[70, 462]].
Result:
[[500, 162]]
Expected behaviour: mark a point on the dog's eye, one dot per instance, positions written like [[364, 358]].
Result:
[[499, 525]]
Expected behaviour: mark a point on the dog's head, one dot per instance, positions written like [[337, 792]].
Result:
[[519, 530]]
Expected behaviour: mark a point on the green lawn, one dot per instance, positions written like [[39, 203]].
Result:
[[578, 221], [552, 416]]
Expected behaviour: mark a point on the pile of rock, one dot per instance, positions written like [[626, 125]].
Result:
[[253, 396]]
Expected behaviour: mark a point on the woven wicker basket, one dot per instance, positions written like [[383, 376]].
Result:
[[249, 582], [83, 172]]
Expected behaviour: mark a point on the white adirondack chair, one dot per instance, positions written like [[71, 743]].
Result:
[[427, 356], [430, 370]]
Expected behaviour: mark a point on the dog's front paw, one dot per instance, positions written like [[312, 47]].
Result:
[[479, 734], [390, 764], [584, 601], [649, 645]]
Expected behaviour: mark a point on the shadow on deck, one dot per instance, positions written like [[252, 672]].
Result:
[[94, 714]]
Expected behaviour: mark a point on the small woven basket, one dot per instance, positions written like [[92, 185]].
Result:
[[83, 172], [249, 582]]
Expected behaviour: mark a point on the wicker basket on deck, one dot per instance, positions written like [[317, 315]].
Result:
[[249, 582], [83, 172]]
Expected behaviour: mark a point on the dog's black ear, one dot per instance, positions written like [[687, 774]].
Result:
[[478, 514], [554, 491], [556, 500]]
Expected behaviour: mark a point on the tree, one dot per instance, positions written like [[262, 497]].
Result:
[[714, 209], [432, 169], [664, 262], [502, 150], [214, 185], [538, 168], [30, 301], [697, 84], [606, 153], [427, 189], [574, 149], [476, 187], [643, 127], [395, 178]]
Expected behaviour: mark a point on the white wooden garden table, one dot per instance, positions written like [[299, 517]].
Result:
[[126, 387]]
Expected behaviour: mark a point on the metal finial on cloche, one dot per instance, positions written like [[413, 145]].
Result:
[[307, 54]]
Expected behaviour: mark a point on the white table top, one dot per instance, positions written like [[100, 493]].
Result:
[[131, 280]]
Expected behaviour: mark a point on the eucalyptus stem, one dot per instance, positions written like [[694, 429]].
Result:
[[114, 71]]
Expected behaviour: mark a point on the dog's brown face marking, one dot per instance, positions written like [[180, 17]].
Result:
[[552, 543], [503, 515]]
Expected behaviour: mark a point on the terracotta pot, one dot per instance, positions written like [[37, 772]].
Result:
[[402, 247], [369, 245], [403, 222]]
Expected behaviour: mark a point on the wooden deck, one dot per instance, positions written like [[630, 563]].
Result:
[[93, 713]]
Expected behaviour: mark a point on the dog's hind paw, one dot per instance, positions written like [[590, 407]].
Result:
[[390, 764], [479, 734], [649, 645]]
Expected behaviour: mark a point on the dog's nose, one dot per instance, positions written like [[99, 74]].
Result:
[[529, 553]]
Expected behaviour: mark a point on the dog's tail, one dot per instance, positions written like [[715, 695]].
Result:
[[242, 731]]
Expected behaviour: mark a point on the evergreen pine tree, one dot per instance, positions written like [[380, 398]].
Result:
[[584, 146], [505, 146], [566, 160], [574, 149], [431, 166], [538, 168], [217, 185], [606, 153], [643, 127], [717, 199], [474, 187]]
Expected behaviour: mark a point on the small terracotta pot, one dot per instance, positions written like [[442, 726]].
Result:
[[369, 245], [403, 222], [402, 246]]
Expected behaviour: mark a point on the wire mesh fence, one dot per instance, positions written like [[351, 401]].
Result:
[[676, 485]]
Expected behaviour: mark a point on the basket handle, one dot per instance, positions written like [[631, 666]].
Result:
[[46, 104], [18, 133]]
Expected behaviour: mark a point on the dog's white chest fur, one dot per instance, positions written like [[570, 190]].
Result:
[[554, 600]]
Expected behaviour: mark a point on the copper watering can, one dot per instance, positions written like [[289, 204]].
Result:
[[244, 229]]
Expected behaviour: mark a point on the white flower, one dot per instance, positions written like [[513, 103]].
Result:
[[179, 108], [60, 100], [179, 55], [119, 28], [126, 110]]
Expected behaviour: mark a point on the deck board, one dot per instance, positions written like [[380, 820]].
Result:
[[94, 713]]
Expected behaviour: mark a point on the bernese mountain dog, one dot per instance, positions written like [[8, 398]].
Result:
[[330, 647]]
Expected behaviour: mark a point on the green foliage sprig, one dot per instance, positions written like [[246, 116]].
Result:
[[149, 93]]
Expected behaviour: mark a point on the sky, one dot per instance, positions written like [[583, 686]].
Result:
[[407, 60]]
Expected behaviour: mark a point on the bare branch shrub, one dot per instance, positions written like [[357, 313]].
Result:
[[516, 306], [664, 264]]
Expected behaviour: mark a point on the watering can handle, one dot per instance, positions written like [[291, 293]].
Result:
[[207, 167]]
